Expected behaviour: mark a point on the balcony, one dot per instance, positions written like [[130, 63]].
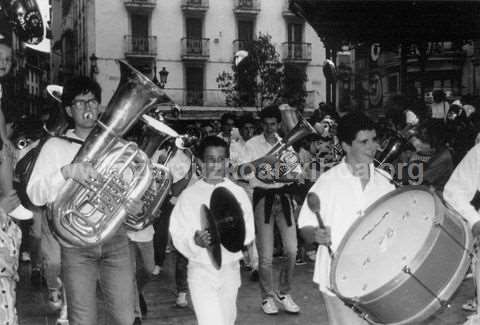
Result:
[[297, 52], [196, 49], [195, 7], [239, 45], [140, 46], [246, 7], [142, 6]]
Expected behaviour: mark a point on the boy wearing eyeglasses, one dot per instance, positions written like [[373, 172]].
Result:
[[108, 262]]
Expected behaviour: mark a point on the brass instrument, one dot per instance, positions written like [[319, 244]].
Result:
[[25, 18], [86, 215], [278, 164]]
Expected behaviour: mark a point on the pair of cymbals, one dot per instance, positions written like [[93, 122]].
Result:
[[225, 223]]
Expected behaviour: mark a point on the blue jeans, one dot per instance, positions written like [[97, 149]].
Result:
[[141, 254], [265, 247], [110, 264], [181, 266]]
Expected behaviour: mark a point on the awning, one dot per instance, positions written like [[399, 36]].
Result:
[[355, 21]]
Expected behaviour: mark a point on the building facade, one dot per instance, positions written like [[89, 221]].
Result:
[[194, 40], [370, 74]]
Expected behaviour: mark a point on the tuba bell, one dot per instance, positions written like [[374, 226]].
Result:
[[280, 162], [87, 215]]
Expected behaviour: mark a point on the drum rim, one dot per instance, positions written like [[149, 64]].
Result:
[[417, 261]]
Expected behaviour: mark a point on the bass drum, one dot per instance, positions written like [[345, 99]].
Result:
[[403, 259]]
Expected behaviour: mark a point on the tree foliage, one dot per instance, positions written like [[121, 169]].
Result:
[[261, 78]]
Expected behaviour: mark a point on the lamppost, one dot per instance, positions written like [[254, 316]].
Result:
[[163, 77], [93, 65]]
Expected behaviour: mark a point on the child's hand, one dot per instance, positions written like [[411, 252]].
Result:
[[202, 238]]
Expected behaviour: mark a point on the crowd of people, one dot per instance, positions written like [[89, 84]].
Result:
[[410, 145]]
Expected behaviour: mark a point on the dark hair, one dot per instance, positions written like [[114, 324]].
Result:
[[78, 86], [431, 132], [271, 111], [227, 116], [211, 141], [438, 95], [247, 118], [352, 123]]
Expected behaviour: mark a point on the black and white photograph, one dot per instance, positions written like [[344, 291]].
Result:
[[239, 162]]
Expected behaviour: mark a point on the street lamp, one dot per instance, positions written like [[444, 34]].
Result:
[[163, 77], [93, 65]]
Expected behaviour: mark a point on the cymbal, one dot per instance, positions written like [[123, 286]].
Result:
[[228, 215]]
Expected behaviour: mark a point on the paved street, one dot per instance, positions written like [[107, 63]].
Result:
[[160, 296]]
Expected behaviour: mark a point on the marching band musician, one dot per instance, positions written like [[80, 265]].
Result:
[[109, 262], [272, 205], [213, 292], [345, 191]]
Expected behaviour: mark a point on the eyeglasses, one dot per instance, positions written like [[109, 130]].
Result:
[[81, 104]]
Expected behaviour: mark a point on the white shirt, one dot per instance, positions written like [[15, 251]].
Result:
[[258, 147], [185, 221], [46, 179], [234, 136], [342, 201], [440, 110], [238, 151], [463, 184]]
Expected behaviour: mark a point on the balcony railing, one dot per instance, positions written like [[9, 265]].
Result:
[[195, 48], [247, 7], [140, 46], [140, 5], [239, 45], [297, 52], [195, 5]]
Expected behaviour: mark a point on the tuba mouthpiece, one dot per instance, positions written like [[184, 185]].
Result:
[[88, 116]]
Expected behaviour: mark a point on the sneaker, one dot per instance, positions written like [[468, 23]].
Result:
[[181, 300], [55, 299], [269, 307], [25, 257], [156, 270], [300, 260], [21, 213], [254, 276], [288, 304], [36, 277], [470, 305], [137, 321]]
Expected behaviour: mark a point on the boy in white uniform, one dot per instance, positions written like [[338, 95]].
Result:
[[214, 292]]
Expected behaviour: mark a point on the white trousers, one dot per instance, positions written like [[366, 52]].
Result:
[[214, 293]]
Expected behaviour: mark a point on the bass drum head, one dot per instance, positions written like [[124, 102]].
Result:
[[408, 253], [388, 237]]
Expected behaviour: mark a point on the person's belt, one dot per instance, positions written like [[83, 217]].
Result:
[[269, 195]]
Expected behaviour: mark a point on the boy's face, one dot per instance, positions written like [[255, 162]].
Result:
[[270, 125], [84, 110], [320, 146], [5, 60], [247, 131], [214, 162], [363, 147]]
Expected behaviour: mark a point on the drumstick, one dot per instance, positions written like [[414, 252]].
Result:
[[313, 202]]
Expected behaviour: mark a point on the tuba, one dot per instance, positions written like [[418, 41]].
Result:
[[279, 163], [87, 215]]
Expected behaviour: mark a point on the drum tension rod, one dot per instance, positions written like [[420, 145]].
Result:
[[442, 302], [438, 224]]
